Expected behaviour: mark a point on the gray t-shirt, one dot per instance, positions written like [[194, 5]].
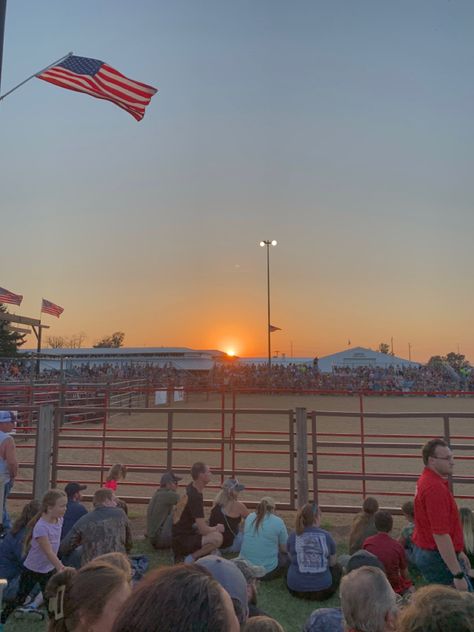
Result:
[[160, 507]]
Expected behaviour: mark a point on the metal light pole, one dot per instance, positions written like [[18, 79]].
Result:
[[268, 243], [3, 10]]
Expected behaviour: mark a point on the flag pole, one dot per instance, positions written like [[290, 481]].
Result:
[[3, 10], [58, 61]]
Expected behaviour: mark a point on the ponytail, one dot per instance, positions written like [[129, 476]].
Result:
[[265, 506], [305, 517]]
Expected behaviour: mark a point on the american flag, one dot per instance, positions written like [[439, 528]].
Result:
[[51, 308], [100, 80], [9, 297]]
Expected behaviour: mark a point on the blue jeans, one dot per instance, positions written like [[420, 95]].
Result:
[[7, 523], [433, 568]]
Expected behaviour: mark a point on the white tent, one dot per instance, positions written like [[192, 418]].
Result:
[[359, 356]]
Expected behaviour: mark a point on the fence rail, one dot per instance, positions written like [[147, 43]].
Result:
[[294, 453]]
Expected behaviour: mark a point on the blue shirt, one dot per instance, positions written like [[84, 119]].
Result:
[[309, 560], [74, 511], [261, 547]]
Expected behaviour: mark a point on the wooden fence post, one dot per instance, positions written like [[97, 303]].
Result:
[[43, 452], [301, 457]]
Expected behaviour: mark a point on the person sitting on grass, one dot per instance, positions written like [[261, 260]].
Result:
[[252, 575], [363, 524], [467, 523], [262, 624], [117, 473], [43, 534], [368, 602], [408, 510], [11, 549], [181, 598], [313, 572], [438, 608], [264, 542], [159, 515], [89, 599], [390, 553], [229, 511], [104, 529], [192, 538]]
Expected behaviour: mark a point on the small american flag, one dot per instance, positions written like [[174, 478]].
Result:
[[100, 80], [9, 297], [51, 308]]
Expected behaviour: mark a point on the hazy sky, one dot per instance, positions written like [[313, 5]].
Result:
[[342, 129]]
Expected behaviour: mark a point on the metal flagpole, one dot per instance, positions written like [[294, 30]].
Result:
[[3, 10], [55, 63]]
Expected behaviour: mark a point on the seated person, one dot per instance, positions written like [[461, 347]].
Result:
[[159, 515], [103, 530], [264, 542], [191, 536], [11, 549], [408, 510], [313, 572], [390, 553], [229, 511], [74, 509], [363, 524], [438, 608]]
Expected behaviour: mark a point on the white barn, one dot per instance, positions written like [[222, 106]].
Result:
[[360, 356]]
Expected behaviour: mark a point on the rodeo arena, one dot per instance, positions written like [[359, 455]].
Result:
[[292, 444]]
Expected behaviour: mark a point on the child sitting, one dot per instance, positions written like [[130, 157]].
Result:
[[390, 553], [408, 510]]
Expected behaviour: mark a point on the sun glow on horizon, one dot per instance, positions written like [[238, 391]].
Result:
[[231, 352]]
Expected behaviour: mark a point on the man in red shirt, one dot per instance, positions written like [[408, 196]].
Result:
[[389, 552], [438, 538]]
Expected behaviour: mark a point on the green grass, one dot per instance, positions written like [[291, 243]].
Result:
[[273, 598]]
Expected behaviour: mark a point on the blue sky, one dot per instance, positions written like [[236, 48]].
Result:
[[342, 129]]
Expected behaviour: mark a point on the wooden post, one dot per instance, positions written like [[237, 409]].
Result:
[[301, 457], [43, 452]]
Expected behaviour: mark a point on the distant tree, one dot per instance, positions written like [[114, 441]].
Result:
[[9, 340], [435, 361], [76, 340], [455, 360], [384, 348], [56, 342], [114, 341]]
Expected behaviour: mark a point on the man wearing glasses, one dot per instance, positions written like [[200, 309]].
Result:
[[438, 538]]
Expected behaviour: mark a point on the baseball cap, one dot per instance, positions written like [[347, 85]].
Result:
[[233, 484], [6, 416], [248, 570], [229, 577], [363, 558], [169, 477], [73, 488], [325, 620]]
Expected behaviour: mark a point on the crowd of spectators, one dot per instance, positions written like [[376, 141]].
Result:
[[240, 375], [99, 592]]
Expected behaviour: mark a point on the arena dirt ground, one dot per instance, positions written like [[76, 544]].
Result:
[[256, 417]]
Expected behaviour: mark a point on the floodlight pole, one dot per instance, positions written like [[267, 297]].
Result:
[[267, 243], [3, 10]]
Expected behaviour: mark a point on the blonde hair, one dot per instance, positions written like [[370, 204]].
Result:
[[435, 608], [467, 522], [48, 500], [265, 506], [225, 496], [117, 472]]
